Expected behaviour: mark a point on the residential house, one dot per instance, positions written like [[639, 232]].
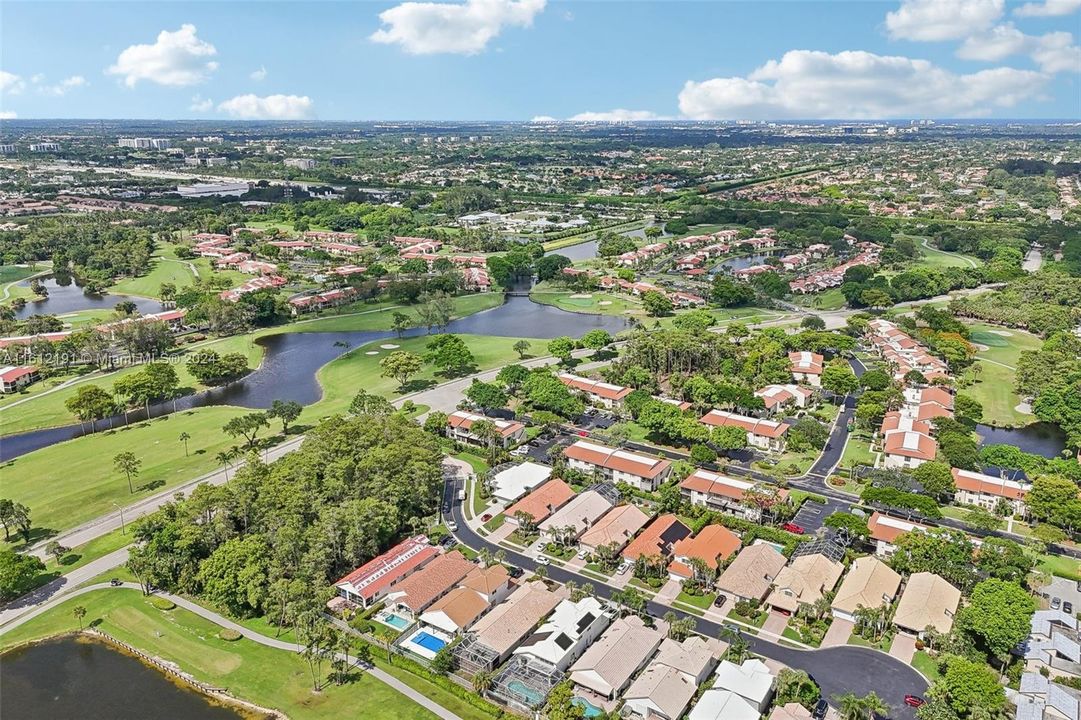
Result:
[[766, 435], [542, 502], [460, 424], [806, 367], [885, 530], [602, 393], [779, 397], [751, 574], [790, 711], [870, 583], [577, 516], [607, 666], [644, 472], [987, 491], [671, 679], [1040, 698], [804, 581], [513, 482], [615, 529], [727, 494], [739, 692], [14, 378], [713, 545], [564, 636], [479, 590], [907, 449], [927, 601], [413, 594], [505, 626], [370, 582], [658, 539], [1054, 644]]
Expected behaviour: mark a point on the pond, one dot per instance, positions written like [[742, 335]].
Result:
[[743, 261], [1041, 438], [291, 361], [588, 250], [92, 681], [70, 298]]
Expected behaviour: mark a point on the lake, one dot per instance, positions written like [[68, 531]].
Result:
[[1041, 438], [742, 262], [291, 361], [68, 678], [70, 298]]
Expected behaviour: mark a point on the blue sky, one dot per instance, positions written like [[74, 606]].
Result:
[[523, 59]]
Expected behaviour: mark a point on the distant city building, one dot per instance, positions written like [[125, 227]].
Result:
[[211, 189], [300, 163], [45, 147], [144, 143], [7, 149]]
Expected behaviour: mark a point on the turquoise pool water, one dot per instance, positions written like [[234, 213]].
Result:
[[588, 708], [395, 621], [532, 697], [428, 641]]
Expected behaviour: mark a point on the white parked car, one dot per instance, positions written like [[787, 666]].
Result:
[[452, 526], [583, 554], [543, 560]]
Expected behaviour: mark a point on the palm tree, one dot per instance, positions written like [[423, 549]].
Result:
[[875, 706], [224, 457], [184, 437], [482, 682], [79, 612]]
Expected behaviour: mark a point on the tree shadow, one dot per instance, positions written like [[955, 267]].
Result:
[[416, 385], [37, 534], [96, 622], [71, 559], [152, 485]]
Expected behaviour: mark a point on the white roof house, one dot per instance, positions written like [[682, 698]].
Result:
[[580, 513], [514, 482], [573, 626], [752, 682]]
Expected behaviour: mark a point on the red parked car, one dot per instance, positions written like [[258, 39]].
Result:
[[486, 517], [914, 701], [793, 528]]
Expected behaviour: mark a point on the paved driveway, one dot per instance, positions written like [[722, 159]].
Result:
[[775, 623], [669, 592], [839, 632], [903, 647]]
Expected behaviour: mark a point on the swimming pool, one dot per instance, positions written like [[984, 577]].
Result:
[[428, 642], [395, 621], [532, 697], [588, 708]]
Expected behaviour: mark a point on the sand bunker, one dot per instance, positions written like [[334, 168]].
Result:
[[981, 347], [581, 296], [1023, 408], [1003, 333], [372, 352], [605, 302], [390, 346]]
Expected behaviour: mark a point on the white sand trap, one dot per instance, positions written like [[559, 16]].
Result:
[[372, 352], [981, 347], [390, 346], [581, 296], [605, 302], [1003, 333], [1023, 408]]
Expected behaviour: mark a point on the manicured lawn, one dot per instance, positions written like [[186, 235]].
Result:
[[594, 303], [379, 316], [164, 270], [699, 601], [495, 523], [831, 299], [266, 676], [1060, 565], [994, 387], [858, 450], [926, 665], [933, 257], [14, 273], [74, 481]]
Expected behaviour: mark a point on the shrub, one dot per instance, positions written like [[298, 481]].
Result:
[[163, 603], [229, 635]]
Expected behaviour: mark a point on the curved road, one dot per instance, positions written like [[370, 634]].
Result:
[[837, 670], [255, 637]]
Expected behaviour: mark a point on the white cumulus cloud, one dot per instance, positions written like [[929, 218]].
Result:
[[200, 104], [426, 28], [1048, 8], [259, 75], [8, 115], [270, 107], [857, 84], [1054, 52], [176, 58], [543, 119], [933, 20], [61, 88], [617, 115], [11, 83]]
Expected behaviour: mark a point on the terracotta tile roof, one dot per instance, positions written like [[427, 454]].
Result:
[[887, 529], [657, 539], [509, 622], [461, 606], [802, 361], [421, 588], [580, 512], [543, 501], [595, 387], [988, 484], [711, 544], [380, 572], [755, 426], [464, 420], [910, 444], [712, 483], [752, 572], [11, 373], [631, 463], [894, 420]]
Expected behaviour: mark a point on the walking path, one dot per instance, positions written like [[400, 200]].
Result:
[[224, 622], [970, 261], [59, 588]]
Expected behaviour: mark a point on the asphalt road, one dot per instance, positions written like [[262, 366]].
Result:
[[836, 670]]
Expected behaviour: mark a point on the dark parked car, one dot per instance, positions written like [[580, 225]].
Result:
[[514, 571], [1067, 607], [820, 710], [719, 602]]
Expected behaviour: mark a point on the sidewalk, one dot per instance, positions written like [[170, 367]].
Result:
[[61, 586]]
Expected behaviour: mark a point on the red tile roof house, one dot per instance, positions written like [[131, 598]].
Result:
[[542, 502], [606, 394], [724, 493], [340, 249], [644, 472], [806, 367], [658, 539], [15, 377], [713, 545], [289, 247], [907, 449], [762, 434], [987, 491], [369, 583], [886, 529], [459, 424], [777, 397], [413, 594]]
